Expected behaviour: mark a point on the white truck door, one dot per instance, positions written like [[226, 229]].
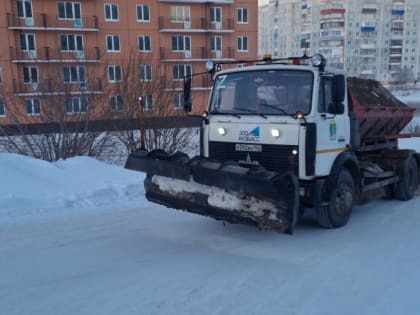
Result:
[[333, 133]]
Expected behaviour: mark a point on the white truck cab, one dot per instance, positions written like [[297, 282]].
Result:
[[279, 116]]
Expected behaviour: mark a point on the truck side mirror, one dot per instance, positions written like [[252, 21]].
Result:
[[187, 94], [338, 89], [336, 108]]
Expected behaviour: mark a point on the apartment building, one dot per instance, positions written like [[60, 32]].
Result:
[[74, 52], [376, 39]]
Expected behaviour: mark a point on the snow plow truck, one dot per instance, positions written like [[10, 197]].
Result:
[[281, 136]]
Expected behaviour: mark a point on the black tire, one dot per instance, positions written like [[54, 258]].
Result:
[[337, 211], [408, 171]]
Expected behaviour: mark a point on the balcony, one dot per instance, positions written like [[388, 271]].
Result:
[[395, 52], [50, 22], [397, 29], [166, 24], [368, 28], [48, 54], [331, 35], [57, 86], [367, 46], [367, 53], [398, 11], [369, 10], [196, 54], [332, 11], [396, 43]]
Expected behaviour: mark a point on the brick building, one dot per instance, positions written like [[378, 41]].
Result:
[[73, 52]]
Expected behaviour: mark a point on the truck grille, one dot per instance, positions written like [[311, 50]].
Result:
[[276, 158]]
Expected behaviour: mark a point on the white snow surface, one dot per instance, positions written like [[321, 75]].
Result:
[[79, 237]]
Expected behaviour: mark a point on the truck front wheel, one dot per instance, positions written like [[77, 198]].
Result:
[[337, 211]]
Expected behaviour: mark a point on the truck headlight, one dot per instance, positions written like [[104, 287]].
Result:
[[318, 60], [275, 133], [221, 131]]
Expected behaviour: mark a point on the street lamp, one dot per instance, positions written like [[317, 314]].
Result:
[[142, 146]]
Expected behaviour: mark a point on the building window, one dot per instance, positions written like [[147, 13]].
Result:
[[242, 43], [1, 76], [74, 74], [27, 42], [24, 8], [148, 102], [33, 106], [30, 75], [76, 105], [69, 10], [111, 12], [70, 42], [143, 13], [113, 42], [178, 101], [216, 43], [116, 103], [144, 43], [180, 14], [145, 72], [114, 73], [2, 108], [180, 71], [181, 43], [242, 16], [215, 14]]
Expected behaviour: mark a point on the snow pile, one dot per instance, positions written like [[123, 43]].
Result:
[[30, 186], [410, 96]]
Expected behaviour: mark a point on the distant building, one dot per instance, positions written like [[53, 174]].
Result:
[[377, 39], [84, 45]]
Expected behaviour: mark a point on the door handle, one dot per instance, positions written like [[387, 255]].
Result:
[[341, 139]]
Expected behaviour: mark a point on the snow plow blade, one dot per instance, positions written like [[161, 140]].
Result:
[[223, 191]]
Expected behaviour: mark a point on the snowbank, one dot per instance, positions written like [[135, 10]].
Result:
[[30, 186]]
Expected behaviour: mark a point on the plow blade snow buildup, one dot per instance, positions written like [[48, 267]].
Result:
[[224, 191]]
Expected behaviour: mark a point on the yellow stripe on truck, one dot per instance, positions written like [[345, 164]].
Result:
[[330, 150]]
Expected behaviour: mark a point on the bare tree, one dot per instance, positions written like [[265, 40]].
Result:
[[405, 76], [54, 120], [158, 91]]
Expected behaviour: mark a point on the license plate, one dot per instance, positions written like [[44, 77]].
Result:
[[248, 147]]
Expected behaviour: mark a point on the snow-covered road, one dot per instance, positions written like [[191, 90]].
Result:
[[78, 237], [153, 260]]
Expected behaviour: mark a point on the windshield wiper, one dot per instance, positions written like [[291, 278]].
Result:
[[252, 111], [215, 111], [281, 110]]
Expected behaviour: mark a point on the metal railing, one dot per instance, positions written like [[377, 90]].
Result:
[[201, 53], [43, 54], [171, 24], [51, 21]]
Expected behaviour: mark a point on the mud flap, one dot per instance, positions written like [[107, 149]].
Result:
[[225, 192]]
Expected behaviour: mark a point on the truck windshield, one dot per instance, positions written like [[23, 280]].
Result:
[[271, 92]]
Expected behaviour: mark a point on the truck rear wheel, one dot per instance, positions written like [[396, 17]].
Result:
[[338, 210], [408, 172]]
